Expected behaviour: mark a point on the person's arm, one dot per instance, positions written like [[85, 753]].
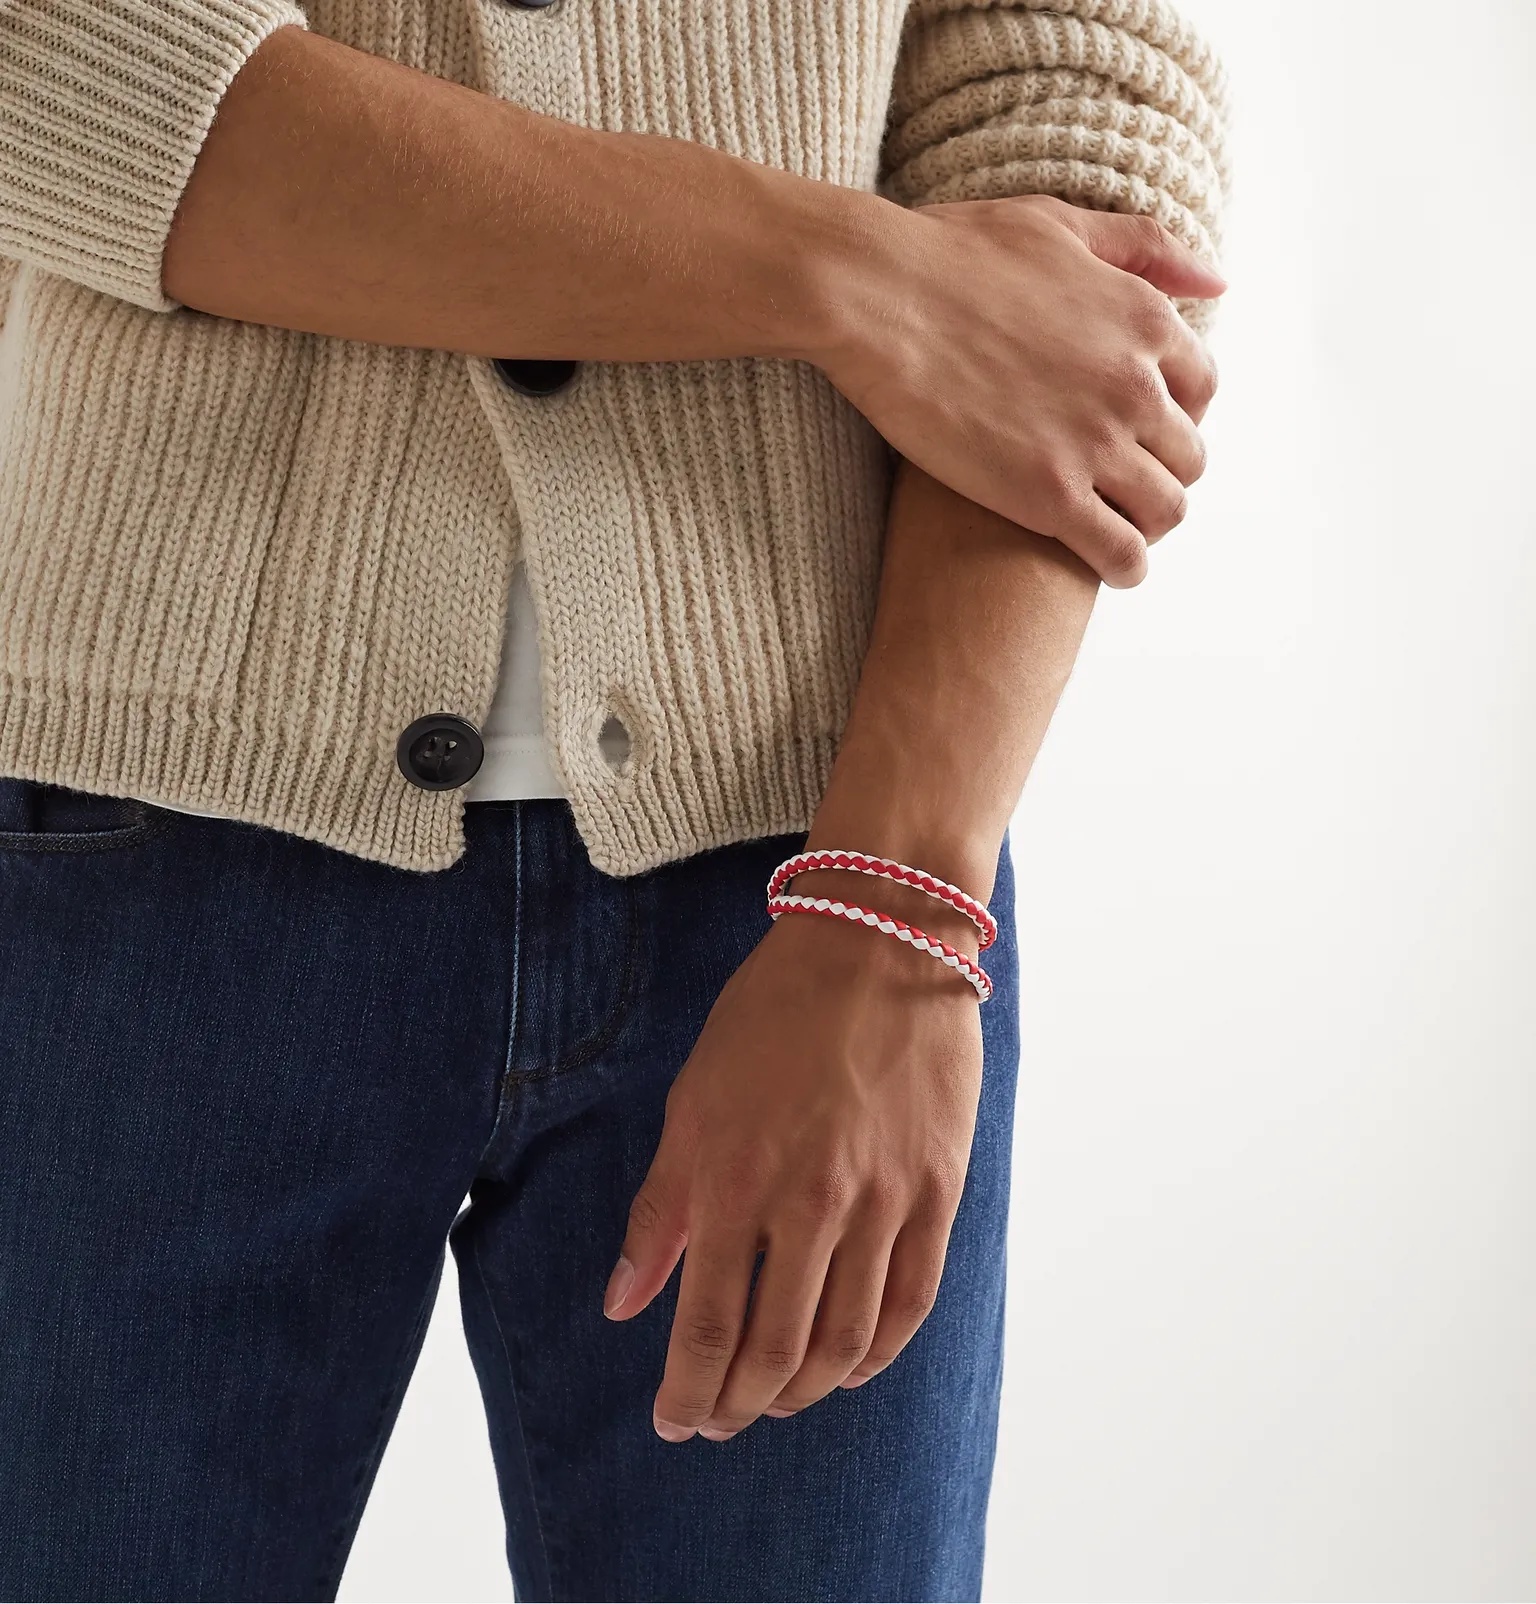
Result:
[[826, 1112], [1020, 351], [219, 155], [829, 1103]]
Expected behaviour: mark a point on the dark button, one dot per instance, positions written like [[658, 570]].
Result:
[[535, 376], [440, 752], [532, 5]]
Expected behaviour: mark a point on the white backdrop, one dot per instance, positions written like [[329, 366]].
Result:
[[1273, 1283]]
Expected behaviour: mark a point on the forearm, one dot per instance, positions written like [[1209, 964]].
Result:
[[977, 626], [344, 194]]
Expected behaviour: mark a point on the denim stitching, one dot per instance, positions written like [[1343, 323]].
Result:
[[149, 824], [517, 941], [507, 1078]]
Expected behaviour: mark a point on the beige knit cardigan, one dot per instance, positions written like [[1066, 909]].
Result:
[[236, 561]]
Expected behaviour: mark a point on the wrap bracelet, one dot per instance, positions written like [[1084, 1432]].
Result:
[[779, 902]]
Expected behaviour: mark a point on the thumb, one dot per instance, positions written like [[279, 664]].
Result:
[[656, 1236], [1141, 245]]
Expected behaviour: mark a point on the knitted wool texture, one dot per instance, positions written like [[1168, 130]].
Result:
[[236, 561]]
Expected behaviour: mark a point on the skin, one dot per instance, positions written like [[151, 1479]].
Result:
[[839, 1150], [1022, 351], [1023, 357]]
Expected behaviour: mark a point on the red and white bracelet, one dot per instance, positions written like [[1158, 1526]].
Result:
[[888, 869]]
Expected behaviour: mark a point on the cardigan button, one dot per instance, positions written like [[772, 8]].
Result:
[[535, 376], [439, 752], [532, 5]]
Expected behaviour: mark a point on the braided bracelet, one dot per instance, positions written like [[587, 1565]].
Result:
[[973, 972], [888, 869]]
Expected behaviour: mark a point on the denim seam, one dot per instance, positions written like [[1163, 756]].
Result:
[[330, 1574], [517, 1414], [504, 1081], [517, 946]]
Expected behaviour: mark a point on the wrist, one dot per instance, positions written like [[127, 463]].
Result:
[[947, 854], [826, 241], [907, 903], [890, 813], [858, 960]]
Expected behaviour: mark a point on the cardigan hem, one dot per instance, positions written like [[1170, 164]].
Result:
[[326, 787], [302, 779]]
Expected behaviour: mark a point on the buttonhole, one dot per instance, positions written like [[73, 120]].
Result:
[[613, 738]]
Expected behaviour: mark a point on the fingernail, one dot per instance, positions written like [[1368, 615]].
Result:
[[665, 1428], [619, 1283], [778, 1414], [855, 1381], [715, 1434]]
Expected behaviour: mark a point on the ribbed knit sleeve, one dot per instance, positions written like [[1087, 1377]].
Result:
[[1114, 104], [104, 106]]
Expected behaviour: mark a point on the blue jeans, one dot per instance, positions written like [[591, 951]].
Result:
[[246, 1083]]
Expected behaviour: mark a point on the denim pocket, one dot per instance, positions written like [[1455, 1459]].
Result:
[[39, 816]]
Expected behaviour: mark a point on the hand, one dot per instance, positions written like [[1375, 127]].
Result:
[[1026, 353], [823, 1119]]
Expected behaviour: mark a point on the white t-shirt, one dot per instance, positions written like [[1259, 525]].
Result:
[[516, 756], [516, 765]]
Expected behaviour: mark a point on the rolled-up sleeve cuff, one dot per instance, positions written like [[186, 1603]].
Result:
[[104, 107]]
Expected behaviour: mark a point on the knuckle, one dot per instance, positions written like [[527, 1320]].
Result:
[[938, 1194], [1138, 382], [1167, 516], [944, 1175], [779, 1356], [644, 1213], [847, 1344], [884, 1197], [1149, 231], [707, 1339], [1121, 554], [1199, 460], [1153, 314], [825, 1195], [914, 1296], [914, 1303], [1067, 485]]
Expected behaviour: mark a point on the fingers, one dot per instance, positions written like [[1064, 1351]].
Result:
[[778, 1332], [1146, 493], [820, 1319], [845, 1322], [1175, 442], [1166, 393], [1189, 371], [911, 1288], [711, 1308], [655, 1237], [1104, 538], [1142, 246]]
